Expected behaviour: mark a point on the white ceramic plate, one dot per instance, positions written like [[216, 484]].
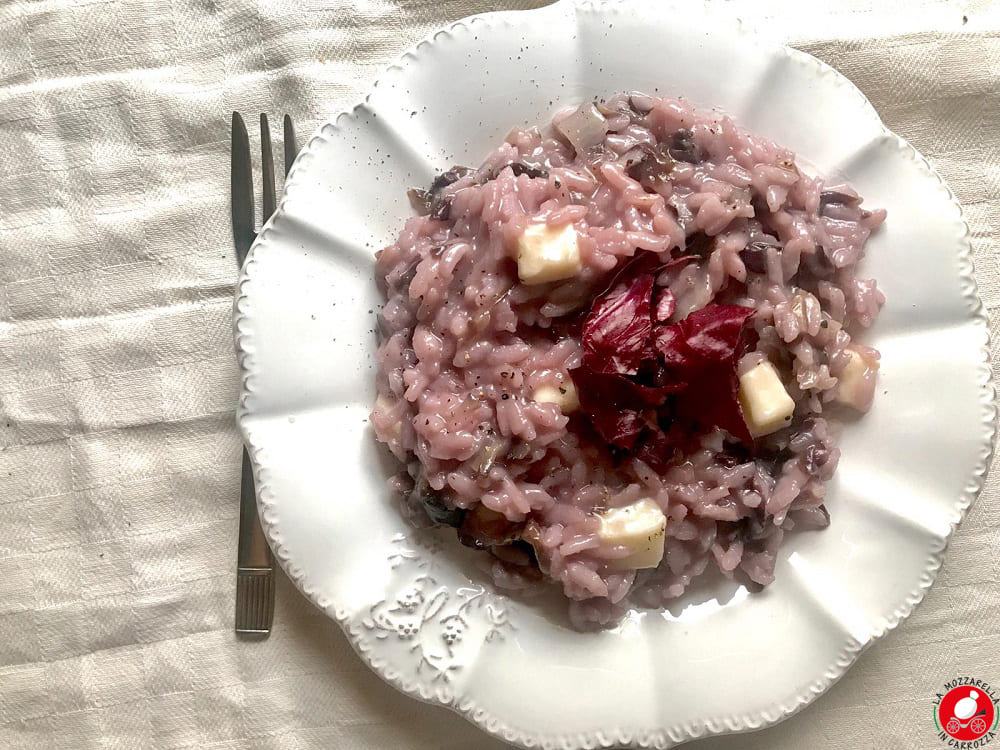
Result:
[[720, 660]]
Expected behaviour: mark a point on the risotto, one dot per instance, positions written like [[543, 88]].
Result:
[[608, 355]]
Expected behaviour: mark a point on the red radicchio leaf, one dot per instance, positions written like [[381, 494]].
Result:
[[657, 447], [704, 349], [716, 334], [614, 410], [619, 408], [620, 427], [712, 400], [616, 333], [669, 342], [620, 390], [632, 361]]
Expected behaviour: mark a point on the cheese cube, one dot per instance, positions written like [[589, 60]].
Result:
[[547, 253], [641, 527], [564, 396], [856, 384], [767, 407]]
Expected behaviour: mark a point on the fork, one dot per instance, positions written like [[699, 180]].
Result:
[[254, 560]]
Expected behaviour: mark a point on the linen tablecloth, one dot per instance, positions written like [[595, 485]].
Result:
[[119, 458]]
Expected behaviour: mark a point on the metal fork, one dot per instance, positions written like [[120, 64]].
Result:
[[254, 561]]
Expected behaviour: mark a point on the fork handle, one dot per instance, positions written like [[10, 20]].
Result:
[[253, 551]]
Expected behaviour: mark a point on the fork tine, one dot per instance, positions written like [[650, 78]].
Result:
[[267, 169], [291, 149]]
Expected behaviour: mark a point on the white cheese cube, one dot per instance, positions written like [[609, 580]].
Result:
[[856, 384], [564, 396], [547, 253], [641, 527], [767, 407]]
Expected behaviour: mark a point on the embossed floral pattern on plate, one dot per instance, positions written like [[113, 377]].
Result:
[[442, 624]]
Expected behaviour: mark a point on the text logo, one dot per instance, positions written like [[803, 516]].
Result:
[[965, 714]]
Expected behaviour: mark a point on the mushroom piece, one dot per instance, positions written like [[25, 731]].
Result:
[[584, 129]]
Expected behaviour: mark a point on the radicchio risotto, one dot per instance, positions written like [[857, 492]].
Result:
[[608, 354]]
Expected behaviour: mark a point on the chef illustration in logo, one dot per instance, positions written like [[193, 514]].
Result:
[[965, 713]]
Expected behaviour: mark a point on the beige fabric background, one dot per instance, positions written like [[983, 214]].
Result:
[[119, 460]]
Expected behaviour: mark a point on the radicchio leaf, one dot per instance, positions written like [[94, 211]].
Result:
[[712, 335], [704, 349], [616, 333], [657, 446], [619, 408], [619, 427], [638, 370], [669, 341], [712, 400]]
